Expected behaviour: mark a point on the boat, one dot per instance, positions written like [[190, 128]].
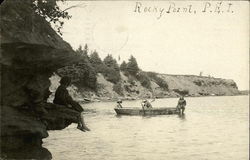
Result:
[[149, 111]]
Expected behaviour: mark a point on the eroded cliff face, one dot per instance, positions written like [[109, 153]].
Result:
[[193, 85], [187, 85], [30, 52]]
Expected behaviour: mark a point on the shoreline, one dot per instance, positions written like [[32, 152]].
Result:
[[107, 99]]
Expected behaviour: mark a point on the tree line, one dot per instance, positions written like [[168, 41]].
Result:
[[84, 73]]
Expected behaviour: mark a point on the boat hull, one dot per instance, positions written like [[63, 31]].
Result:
[[150, 111]]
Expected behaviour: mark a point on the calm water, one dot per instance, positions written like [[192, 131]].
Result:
[[213, 128]]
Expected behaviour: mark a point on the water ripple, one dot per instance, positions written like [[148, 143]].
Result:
[[213, 128]]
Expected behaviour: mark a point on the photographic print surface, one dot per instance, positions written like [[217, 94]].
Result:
[[125, 80]]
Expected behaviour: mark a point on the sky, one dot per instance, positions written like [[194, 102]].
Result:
[[206, 37]]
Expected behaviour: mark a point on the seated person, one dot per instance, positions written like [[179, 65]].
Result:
[[119, 104], [62, 97], [146, 104]]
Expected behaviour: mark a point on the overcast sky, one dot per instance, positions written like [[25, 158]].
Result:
[[173, 43]]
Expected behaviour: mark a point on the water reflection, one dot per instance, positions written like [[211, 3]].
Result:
[[118, 116], [182, 116], [147, 116]]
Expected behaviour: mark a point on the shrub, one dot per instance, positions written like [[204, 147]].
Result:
[[118, 88], [181, 92], [161, 82], [126, 73], [144, 80], [127, 88], [111, 74], [131, 80], [198, 82]]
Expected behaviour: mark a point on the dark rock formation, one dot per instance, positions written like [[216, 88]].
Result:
[[59, 116], [21, 134], [30, 52]]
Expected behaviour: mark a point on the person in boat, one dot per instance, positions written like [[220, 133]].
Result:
[[181, 105], [147, 104], [119, 102], [62, 97]]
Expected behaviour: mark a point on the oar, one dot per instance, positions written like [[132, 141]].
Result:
[[153, 97], [152, 100], [143, 110]]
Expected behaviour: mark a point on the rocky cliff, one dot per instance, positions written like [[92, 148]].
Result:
[[200, 86], [188, 85], [30, 52]]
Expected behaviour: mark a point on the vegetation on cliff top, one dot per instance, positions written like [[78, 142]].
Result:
[[49, 10], [84, 73]]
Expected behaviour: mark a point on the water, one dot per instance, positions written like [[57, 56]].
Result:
[[212, 128]]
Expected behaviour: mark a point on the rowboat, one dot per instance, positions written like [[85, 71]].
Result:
[[149, 111]]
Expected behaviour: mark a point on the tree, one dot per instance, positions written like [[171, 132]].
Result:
[[123, 66], [79, 50], [49, 10], [86, 50], [132, 66], [95, 59], [96, 62], [83, 73], [111, 70], [82, 52], [86, 74], [109, 61]]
